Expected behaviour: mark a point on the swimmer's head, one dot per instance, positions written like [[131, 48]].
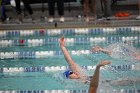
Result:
[[95, 49], [67, 73], [70, 72], [71, 75]]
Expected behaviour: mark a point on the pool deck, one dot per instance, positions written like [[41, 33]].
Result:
[[70, 22], [72, 10]]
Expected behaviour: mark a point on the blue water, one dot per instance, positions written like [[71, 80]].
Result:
[[53, 80]]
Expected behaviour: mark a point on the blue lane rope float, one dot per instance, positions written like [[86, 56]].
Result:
[[35, 54], [113, 68], [69, 91], [69, 41], [70, 31]]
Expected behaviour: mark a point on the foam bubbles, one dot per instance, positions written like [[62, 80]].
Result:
[[122, 51]]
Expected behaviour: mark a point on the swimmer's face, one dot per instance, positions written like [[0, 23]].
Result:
[[73, 76], [95, 49]]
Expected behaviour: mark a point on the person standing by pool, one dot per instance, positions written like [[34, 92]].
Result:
[[87, 4], [138, 17], [60, 8], [75, 71], [101, 9], [27, 6], [85, 9]]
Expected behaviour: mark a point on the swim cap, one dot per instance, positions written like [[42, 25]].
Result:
[[67, 73]]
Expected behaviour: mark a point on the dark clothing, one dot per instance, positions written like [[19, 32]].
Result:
[[60, 7], [100, 8], [26, 5], [106, 8]]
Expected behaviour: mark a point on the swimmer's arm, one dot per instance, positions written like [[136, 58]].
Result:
[[105, 51], [68, 58], [92, 90], [94, 81], [100, 49]]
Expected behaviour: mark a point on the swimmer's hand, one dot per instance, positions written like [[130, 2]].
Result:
[[103, 63], [100, 49], [61, 41]]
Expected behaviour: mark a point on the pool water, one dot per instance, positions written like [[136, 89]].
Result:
[[32, 59]]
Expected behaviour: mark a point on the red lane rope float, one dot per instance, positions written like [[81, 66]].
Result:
[[41, 32], [21, 42]]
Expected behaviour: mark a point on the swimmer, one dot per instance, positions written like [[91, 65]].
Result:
[[138, 17], [127, 50], [75, 73]]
